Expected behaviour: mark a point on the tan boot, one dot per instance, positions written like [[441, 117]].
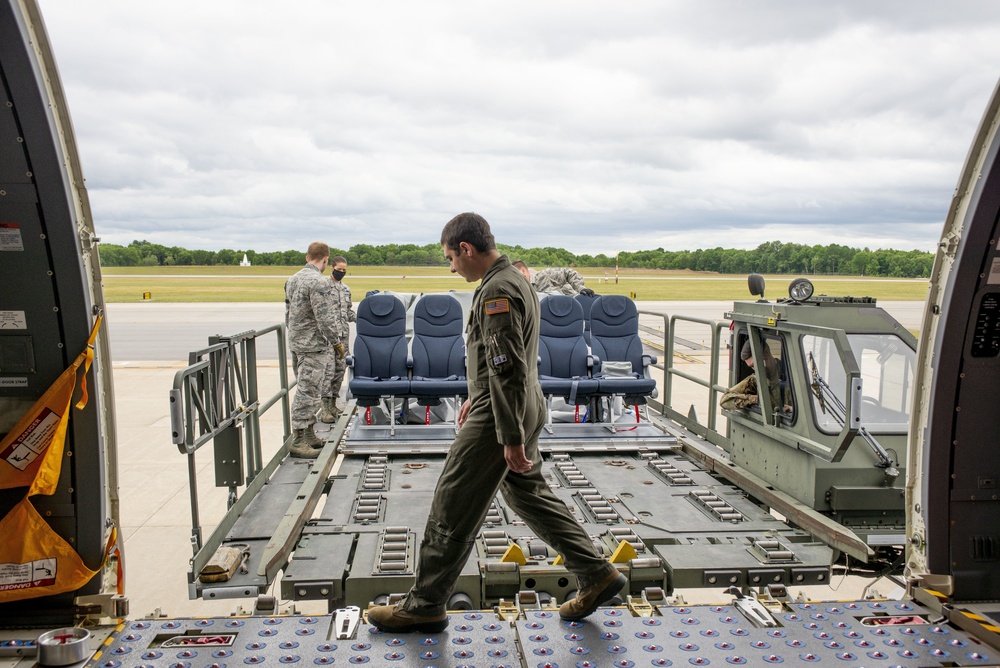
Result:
[[590, 598], [301, 450], [312, 439], [304, 447], [392, 619], [329, 412]]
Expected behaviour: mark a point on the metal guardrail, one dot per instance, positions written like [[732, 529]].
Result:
[[670, 370], [216, 399]]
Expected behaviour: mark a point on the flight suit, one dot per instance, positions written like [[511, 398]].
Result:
[[507, 407]]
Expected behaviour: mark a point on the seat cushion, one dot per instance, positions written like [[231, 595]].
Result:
[[564, 387], [438, 387], [634, 385], [377, 387]]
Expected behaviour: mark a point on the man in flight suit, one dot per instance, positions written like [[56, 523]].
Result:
[[496, 447]]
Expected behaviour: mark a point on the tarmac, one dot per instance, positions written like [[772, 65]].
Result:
[[150, 343]]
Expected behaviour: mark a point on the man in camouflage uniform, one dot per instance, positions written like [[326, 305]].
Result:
[[745, 393], [558, 279], [344, 313], [496, 447], [312, 331]]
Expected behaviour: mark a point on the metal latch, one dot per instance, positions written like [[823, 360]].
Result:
[[752, 609], [507, 610], [345, 621]]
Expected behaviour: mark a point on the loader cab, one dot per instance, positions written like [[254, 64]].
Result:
[[836, 377]]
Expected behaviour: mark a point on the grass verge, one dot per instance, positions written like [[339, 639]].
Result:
[[266, 284]]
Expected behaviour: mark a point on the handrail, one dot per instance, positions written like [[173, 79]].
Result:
[[670, 370], [216, 398]]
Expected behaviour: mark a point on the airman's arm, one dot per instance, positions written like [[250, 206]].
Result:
[[324, 311], [503, 319], [741, 395]]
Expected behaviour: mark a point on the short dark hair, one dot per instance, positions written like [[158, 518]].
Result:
[[470, 228], [520, 263], [338, 259], [317, 251]]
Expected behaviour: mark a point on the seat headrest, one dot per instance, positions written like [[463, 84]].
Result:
[[382, 305], [560, 305], [614, 305], [437, 305]]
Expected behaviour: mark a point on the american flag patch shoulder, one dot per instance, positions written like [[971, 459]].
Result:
[[496, 306]]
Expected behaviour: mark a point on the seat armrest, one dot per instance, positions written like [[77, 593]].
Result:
[[349, 361], [593, 362], [648, 360]]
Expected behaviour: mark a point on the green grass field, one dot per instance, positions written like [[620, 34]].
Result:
[[265, 284]]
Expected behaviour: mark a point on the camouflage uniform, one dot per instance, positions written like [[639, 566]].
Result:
[[344, 311], [744, 393], [507, 407], [558, 279], [311, 323]]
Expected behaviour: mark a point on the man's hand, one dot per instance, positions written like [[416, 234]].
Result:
[[463, 413], [516, 461], [340, 349]]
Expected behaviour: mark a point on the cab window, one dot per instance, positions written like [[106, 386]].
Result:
[[887, 368]]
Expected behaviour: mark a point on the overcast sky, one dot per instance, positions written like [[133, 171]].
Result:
[[593, 126]]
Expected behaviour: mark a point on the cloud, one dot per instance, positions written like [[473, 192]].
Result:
[[238, 124]]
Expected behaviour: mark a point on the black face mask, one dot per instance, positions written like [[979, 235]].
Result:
[[339, 275]]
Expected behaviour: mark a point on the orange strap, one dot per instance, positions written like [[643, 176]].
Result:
[[113, 549]]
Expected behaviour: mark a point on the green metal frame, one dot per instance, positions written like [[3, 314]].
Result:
[[216, 399]]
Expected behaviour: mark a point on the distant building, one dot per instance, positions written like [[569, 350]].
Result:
[[245, 262]]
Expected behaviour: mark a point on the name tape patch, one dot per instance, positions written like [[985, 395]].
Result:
[[496, 306]]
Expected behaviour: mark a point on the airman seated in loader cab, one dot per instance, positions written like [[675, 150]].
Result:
[[744, 394]]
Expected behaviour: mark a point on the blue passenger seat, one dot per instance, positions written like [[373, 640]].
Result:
[[438, 351], [614, 337], [379, 367], [565, 362]]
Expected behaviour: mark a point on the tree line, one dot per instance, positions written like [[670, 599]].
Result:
[[772, 257]]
